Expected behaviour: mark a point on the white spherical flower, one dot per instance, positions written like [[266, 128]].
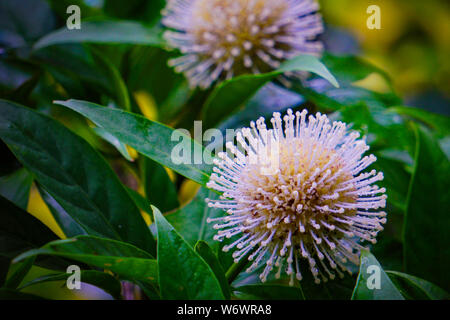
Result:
[[220, 39], [296, 197]]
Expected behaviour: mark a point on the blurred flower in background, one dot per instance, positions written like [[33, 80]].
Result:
[[220, 39], [412, 44]]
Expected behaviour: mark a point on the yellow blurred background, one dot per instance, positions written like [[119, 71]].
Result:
[[413, 44]]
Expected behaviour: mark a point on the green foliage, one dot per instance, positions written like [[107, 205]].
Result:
[[237, 91], [191, 220], [96, 278], [104, 32], [88, 119], [127, 261], [150, 138], [425, 234], [197, 281], [159, 189], [74, 174], [210, 257], [16, 187], [385, 290], [415, 288]]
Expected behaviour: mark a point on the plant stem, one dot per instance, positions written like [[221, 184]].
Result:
[[236, 268]]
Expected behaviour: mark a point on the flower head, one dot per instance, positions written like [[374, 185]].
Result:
[[223, 38], [296, 197]]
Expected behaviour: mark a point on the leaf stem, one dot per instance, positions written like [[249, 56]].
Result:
[[236, 268]]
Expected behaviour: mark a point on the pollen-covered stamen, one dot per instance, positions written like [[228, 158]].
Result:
[[225, 38], [296, 198]]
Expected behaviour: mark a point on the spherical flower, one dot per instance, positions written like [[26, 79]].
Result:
[[296, 197], [220, 39]]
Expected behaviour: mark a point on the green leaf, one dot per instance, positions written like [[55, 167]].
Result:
[[183, 274], [99, 279], [269, 292], [147, 71], [118, 85], [159, 189], [121, 147], [383, 129], [425, 230], [150, 289], [417, 288], [311, 64], [386, 291], [16, 187], [335, 99], [27, 21], [74, 174], [348, 69], [112, 32], [439, 122], [395, 180], [73, 67], [19, 273], [208, 255], [141, 201], [20, 231], [231, 94], [15, 74], [68, 225], [150, 138], [191, 220], [124, 259], [143, 10]]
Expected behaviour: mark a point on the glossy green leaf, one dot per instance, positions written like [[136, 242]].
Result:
[[425, 233], [383, 129], [311, 64], [68, 225], [439, 122], [190, 221], [121, 147], [75, 175], [99, 279], [152, 139], [202, 248], [349, 68], [118, 86], [141, 201], [113, 32], [416, 288], [395, 180], [334, 99], [16, 187], [159, 189], [19, 273], [19, 232], [124, 259], [183, 274], [369, 271], [231, 94]]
